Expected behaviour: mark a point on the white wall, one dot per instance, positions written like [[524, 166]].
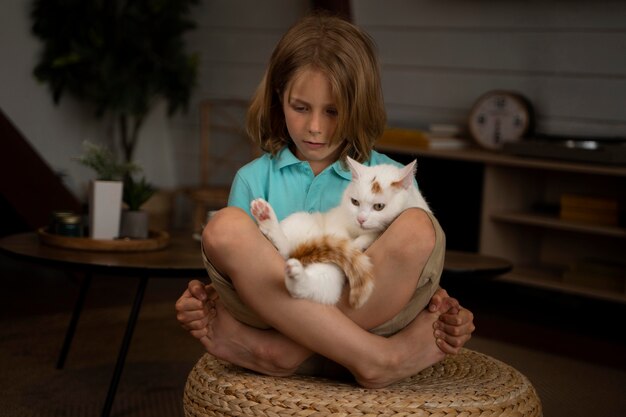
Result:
[[568, 57]]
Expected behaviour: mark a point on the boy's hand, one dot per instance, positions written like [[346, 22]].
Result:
[[455, 325], [195, 308]]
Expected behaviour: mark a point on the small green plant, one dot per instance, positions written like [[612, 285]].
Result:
[[136, 193], [102, 160]]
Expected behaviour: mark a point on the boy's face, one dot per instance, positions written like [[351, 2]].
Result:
[[311, 118]]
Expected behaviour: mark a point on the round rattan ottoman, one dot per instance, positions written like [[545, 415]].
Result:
[[468, 384]]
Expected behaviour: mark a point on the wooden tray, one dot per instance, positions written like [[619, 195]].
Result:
[[156, 240]]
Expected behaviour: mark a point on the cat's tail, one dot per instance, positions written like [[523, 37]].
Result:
[[348, 257]]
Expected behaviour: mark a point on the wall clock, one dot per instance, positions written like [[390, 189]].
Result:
[[499, 116]]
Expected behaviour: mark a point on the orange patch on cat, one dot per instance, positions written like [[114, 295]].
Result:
[[376, 188], [318, 250], [355, 264]]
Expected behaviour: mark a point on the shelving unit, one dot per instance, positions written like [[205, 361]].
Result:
[[553, 222], [519, 220]]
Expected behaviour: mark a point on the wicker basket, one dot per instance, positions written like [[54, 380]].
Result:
[[468, 384]]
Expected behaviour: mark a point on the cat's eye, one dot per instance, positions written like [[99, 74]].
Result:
[[378, 206], [355, 202]]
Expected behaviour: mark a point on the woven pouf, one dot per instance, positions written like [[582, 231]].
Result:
[[468, 384]]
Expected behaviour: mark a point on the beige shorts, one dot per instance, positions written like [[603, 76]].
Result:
[[427, 285]]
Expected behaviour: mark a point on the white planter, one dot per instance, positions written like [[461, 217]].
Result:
[[105, 208]]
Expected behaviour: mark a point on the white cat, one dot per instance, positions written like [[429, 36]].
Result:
[[321, 247]]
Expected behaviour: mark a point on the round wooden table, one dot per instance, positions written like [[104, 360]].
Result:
[[179, 259], [474, 265]]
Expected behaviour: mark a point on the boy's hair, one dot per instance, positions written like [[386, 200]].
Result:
[[347, 56]]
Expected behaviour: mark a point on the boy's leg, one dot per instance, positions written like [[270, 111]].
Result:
[[237, 249], [399, 256], [418, 257], [225, 289]]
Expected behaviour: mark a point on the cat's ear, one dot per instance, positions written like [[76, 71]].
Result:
[[408, 174], [355, 168]]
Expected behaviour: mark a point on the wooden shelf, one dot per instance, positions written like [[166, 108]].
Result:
[[474, 154], [549, 279], [553, 222], [508, 229]]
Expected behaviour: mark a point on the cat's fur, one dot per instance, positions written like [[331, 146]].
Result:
[[321, 247]]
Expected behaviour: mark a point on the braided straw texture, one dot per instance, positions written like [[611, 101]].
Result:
[[469, 384]]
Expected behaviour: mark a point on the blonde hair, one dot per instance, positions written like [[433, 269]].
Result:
[[347, 56]]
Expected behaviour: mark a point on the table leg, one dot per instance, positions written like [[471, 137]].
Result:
[[71, 328], [121, 357]]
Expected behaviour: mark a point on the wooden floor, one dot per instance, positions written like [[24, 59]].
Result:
[[569, 326]]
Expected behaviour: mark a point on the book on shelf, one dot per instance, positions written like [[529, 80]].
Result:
[[590, 209], [413, 138]]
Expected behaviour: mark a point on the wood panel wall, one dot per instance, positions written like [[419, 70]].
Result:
[[234, 40], [567, 57]]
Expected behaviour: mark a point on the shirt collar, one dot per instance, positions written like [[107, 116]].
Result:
[[341, 171], [286, 158]]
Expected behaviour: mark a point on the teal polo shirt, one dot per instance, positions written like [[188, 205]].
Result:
[[289, 185]]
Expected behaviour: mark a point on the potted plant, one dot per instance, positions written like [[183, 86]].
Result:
[[105, 192], [134, 220], [122, 57]]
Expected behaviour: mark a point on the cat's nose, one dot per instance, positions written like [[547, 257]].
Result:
[[360, 220]]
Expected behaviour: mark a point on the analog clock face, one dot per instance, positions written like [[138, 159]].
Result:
[[498, 117]]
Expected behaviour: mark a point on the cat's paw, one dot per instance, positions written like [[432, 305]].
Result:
[[294, 270], [294, 273], [265, 216], [261, 210]]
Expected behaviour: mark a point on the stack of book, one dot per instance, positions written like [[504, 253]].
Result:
[[600, 211], [437, 137]]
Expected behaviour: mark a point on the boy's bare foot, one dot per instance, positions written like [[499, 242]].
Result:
[[264, 351], [415, 349]]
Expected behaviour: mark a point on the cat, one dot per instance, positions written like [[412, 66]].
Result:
[[321, 247]]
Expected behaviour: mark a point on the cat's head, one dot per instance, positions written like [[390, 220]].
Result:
[[377, 194]]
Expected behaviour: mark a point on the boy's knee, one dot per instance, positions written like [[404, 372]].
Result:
[[222, 231], [416, 235]]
